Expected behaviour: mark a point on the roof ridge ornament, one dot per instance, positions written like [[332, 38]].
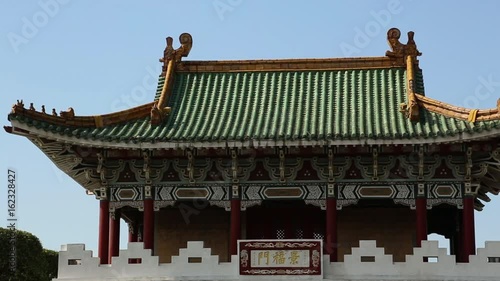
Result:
[[410, 109], [68, 114], [399, 50], [170, 58], [169, 53]]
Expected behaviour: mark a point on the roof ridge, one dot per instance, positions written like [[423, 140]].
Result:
[[68, 118], [286, 64], [458, 112]]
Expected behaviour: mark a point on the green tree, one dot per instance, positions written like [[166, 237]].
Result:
[[52, 258], [22, 257]]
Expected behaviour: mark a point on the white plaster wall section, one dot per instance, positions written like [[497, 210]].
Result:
[[483, 266], [147, 267], [76, 262], [367, 262], [487, 260], [416, 265], [209, 265]]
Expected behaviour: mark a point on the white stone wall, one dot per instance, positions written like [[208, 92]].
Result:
[[379, 267]]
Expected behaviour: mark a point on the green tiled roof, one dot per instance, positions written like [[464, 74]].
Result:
[[333, 105], [161, 80]]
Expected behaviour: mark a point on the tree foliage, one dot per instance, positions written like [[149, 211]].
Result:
[[22, 257], [52, 258]]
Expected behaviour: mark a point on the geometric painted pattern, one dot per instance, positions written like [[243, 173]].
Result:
[[182, 192], [378, 191], [126, 193], [263, 192], [316, 191], [448, 190]]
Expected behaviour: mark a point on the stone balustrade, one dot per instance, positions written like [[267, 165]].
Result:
[[367, 262]]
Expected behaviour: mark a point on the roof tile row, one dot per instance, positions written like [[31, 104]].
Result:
[[283, 106]]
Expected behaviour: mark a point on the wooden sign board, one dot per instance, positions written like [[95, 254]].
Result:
[[280, 257]]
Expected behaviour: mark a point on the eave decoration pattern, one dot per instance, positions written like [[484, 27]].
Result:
[[124, 180]]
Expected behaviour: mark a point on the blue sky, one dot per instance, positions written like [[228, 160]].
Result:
[[102, 56]]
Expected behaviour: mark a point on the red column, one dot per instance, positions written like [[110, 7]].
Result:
[[103, 231], [132, 233], [331, 228], [460, 249], [235, 226], [468, 243], [421, 210], [114, 236], [148, 231]]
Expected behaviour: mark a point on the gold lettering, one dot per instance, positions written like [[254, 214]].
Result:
[[264, 255], [294, 257], [279, 257]]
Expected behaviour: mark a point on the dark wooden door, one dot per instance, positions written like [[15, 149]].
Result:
[[285, 221]]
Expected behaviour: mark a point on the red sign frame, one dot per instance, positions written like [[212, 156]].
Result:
[[314, 247]]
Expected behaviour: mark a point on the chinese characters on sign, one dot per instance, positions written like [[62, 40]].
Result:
[[280, 257]]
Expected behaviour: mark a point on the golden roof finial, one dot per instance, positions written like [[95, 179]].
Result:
[[183, 51], [399, 50]]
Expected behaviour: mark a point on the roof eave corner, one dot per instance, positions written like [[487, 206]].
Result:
[[8, 129], [405, 55]]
